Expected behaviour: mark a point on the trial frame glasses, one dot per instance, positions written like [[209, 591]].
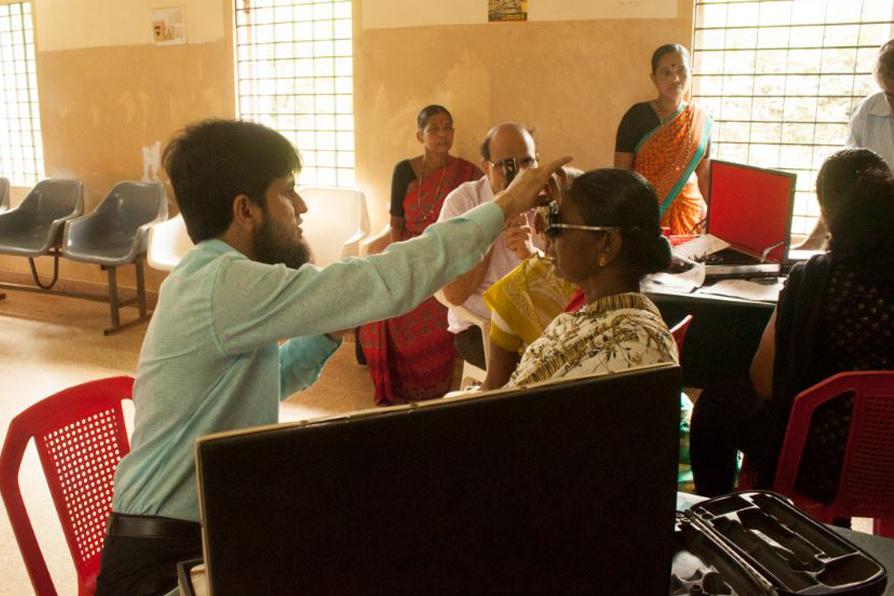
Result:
[[554, 227]]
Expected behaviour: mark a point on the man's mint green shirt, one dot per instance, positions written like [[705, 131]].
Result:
[[211, 362]]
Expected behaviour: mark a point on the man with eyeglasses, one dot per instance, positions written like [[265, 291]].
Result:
[[508, 148], [871, 126]]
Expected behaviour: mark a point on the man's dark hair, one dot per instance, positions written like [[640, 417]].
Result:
[[426, 113], [212, 162], [667, 49]]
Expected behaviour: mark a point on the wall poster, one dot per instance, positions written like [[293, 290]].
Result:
[[169, 26], [507, 10]]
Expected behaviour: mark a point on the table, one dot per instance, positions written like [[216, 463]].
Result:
[[722, 338]]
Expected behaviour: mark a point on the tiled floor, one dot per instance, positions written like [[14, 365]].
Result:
[[49, 343]]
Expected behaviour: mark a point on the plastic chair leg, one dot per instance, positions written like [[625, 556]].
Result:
[[883, 526], [141, 287], [114, 306], [36, 277]]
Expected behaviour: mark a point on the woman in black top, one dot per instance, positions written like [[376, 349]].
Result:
[[436, 172], [835, 314]]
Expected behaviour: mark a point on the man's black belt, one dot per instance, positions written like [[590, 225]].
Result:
[[149, 526]]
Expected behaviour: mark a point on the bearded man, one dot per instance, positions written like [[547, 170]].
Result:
[[212, 361]]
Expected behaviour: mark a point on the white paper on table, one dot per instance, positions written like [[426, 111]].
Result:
[[747, 290], [676, 282], [700, 247]]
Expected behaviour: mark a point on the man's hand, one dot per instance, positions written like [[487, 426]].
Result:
[[516, 235], [524, 191]]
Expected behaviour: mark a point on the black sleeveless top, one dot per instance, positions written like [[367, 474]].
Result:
[[833, 316]]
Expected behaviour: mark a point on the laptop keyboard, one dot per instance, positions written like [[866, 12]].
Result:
[[729, 256]]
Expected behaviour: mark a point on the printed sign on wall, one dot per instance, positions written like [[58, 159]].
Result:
[[507, 10], [169, 26]]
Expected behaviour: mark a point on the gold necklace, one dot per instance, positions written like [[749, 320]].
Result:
[[437, 192]]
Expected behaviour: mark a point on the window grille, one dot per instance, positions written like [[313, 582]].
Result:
[[294, 72], [781, 78], [21, 146]]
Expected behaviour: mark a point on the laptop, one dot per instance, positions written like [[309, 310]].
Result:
[[750, 209], [559, 488]]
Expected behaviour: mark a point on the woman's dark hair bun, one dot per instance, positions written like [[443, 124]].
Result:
[[647, 250], [622, 198], [659, 258]]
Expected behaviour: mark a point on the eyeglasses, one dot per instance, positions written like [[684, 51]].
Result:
[[511, 164], [554, 226]]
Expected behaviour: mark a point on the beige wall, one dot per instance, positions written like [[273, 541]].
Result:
[[106, 91], [572, 80]]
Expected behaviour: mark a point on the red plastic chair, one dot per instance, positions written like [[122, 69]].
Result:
[[866, 485], [679, 332], [80, 437]]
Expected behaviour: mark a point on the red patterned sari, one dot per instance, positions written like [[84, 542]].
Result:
[[667, 157], [410, 357]]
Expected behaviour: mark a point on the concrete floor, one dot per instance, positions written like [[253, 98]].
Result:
[[49, 343]]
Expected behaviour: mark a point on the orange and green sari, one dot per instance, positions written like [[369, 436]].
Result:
[[667, 157]]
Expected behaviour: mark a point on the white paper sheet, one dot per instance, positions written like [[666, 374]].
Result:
[[700, 247], [676, 282], [745, 289]]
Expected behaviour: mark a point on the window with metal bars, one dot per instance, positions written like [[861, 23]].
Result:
[[294, 72], [21, 146], [781, 78]]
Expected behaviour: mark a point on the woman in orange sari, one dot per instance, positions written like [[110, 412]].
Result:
[[411, 357], [667, 140]]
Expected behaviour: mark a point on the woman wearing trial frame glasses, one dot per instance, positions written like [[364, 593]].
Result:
[[617, 327], [554, 225], [525, 300]]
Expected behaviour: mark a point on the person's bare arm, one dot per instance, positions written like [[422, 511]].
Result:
[[761, 372], [817, 238], [459, 290], [623, 160], [397, 228], [703, 171], [500, 366]]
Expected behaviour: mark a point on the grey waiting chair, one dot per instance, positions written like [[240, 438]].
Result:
[[4, 194], [34, 228], [116, 234]]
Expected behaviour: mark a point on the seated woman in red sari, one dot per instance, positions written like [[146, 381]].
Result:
[[667, 140], [411, 357]]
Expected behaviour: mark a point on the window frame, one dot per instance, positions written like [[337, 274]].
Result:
[[308, 97], [787, 132], [22, 158]]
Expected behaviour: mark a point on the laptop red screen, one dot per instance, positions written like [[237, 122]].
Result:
[[751, 208]]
